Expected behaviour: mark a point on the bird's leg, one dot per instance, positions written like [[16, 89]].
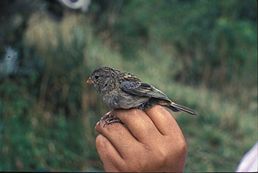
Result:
[[112, 120], [109, 118], [106, 116]]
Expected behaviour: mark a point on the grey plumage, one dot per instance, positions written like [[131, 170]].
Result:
[[121, 90]]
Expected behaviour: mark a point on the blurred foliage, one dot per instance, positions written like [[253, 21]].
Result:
[[202, 53], [214, 35]]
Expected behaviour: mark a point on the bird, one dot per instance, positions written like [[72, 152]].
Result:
[[123, 90]]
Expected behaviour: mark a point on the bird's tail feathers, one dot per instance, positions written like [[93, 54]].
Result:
[[176, 108]]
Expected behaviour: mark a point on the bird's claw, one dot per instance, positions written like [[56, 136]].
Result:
[[109, 118]]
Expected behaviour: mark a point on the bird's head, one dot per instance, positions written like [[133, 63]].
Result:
[[103, 79]]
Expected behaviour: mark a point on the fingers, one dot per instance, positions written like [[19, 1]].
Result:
[[139, 124], [108, 154], [119, 137], [162, 119]]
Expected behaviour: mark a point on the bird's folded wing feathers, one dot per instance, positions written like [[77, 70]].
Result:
[[145, 90], [142, 89]]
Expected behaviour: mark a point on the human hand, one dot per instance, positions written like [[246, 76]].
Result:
[[148, 141]]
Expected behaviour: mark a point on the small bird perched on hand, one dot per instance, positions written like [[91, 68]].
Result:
[[121, 90]]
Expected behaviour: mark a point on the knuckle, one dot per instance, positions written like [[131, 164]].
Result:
[[156, 108], [98, 127], [161, 156], [183, 146], [134, 112], [100, 142]]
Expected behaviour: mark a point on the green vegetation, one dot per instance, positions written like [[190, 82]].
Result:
[[201, 53]]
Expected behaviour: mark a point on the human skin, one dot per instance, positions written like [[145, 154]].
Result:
[[148, 141]]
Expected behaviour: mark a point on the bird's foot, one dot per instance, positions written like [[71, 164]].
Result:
[[109, 118]]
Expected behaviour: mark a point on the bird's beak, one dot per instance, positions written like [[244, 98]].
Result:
[[89, 81]]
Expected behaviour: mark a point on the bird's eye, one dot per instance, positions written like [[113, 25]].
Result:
[[96, 77]]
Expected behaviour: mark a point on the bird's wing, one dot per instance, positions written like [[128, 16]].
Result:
[[142, 89]]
